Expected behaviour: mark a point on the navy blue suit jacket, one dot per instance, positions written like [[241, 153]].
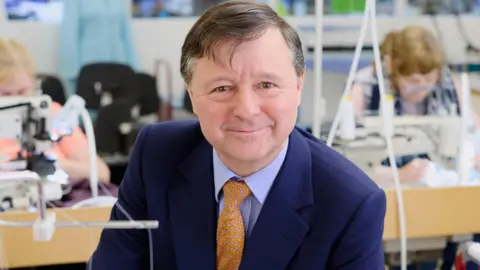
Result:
[[322, 212]]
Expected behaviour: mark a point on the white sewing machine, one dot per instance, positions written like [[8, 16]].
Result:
[[437, 136], [28, 121]]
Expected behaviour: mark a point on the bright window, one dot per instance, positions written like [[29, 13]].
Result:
[[35, 10]]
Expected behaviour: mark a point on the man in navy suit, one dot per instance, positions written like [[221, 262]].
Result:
[[242, 188]]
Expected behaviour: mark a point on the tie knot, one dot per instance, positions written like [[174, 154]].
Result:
[[235, 192]]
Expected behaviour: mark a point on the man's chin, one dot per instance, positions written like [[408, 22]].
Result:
[[246, 152]]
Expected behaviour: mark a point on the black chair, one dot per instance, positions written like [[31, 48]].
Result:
[[113, 126], [115, 134], [96, 81], [52, 86], [149, 99]]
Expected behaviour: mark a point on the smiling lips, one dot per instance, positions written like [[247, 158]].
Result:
[[244, 131], [247, 129]]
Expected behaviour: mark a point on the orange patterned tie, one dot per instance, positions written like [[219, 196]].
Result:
[[230, 230]]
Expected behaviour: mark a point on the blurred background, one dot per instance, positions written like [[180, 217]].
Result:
[[159, 27], [129, 50]]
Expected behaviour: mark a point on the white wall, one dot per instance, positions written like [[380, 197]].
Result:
[[163, 38]]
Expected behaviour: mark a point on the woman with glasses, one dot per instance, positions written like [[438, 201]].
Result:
[[417, 76]]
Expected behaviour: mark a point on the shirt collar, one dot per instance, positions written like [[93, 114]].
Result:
[[259, 182]]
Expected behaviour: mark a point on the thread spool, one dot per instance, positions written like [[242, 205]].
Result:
[[465, 155], [388, 114], [347, 124]]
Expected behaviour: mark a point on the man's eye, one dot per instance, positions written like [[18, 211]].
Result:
[[221, 89], [266, 85]]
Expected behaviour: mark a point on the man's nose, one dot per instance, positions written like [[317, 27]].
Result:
[[247, 103]]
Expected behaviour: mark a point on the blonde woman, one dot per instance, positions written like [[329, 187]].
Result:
[[17, 78]]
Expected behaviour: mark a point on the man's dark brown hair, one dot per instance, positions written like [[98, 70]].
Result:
[[235, 22]]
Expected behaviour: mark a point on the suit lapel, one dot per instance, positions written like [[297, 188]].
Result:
[[281, 226], [193, 211]]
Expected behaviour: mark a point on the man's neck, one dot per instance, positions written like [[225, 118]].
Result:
[[245, 169]]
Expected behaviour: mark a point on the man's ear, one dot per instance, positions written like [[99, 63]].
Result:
[[300, 82], [189, 92]]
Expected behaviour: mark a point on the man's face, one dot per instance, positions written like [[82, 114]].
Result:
[[248, 108], [20, 85]]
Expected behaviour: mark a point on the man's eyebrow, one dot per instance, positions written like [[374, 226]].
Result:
[[216, 79], [269, 76]]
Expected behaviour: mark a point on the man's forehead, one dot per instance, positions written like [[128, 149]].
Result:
[[230, 58], [226, 49]]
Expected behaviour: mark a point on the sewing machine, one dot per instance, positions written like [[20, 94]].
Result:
[[28, 121], [40, 181], [437, 136]]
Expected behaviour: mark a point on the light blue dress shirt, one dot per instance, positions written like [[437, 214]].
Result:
[[259, 183]]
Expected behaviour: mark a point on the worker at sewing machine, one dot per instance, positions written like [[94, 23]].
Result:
[[17, 77], [421, 83]]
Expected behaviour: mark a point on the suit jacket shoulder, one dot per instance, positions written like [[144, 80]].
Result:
[[171, 142], [335, 173]]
